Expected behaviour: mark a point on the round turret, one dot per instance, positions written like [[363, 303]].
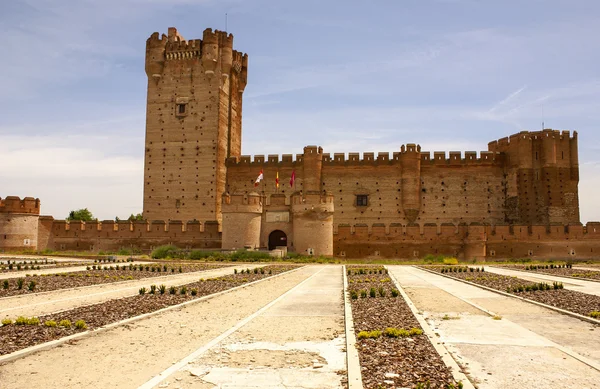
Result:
[[241, 221], [313, 223]]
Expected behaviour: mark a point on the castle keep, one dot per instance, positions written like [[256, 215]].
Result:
[[519, 198]]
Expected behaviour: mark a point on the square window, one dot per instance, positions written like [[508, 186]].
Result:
[[180, 109], [362, 200]]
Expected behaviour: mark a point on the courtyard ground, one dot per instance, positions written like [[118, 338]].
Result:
[[288, 332]]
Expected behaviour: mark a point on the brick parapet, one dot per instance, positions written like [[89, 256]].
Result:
[[14, 204]]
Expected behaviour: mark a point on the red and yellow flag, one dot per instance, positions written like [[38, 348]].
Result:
[[277, 180]]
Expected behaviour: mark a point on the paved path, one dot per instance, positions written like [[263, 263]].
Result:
[[130, 355], [530, 347], [298, 343], [589, 287], [38, 304]]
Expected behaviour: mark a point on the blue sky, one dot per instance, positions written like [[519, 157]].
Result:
[[351, 76]]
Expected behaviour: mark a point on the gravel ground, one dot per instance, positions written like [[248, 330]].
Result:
[[569, 300], [577, 273], [392, 362], [48, 282], [16, 337]]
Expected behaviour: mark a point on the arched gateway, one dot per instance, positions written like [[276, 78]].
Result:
[[277, 238]]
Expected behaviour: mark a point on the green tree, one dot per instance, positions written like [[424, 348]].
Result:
[[81, 214], [132, 217], [136, 217]]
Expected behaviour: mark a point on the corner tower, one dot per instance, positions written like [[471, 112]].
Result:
[[193, 123], [542, 177]]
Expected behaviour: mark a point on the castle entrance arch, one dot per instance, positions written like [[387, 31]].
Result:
[[277, 238]]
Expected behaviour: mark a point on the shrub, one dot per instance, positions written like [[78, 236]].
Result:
[[20, 282], [6, 322], [183, 290], [595, 315], [152, 289], [353, 294], [450, 261], [270, 271], [235, 271], [255, 270], [180, 270], [50, 323], [415, 331], [395, 293], [168, 251], [162, 289], [372, 292], [65, 323], [172, 290], [5, 284], [142, 290], [369, 334], [382, 292], [262, 270], [31, 286], [363, 293], [396, 333], [80, 325], [194, 292], [21, 321]]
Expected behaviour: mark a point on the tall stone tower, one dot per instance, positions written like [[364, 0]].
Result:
[[193, 123], [542, 177]]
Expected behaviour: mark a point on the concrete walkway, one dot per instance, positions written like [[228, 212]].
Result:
[[298, 343], [529, 347], [37, 304], [589, 287], [128, 356]]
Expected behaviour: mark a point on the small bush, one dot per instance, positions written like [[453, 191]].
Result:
[[255, 270], [172, 290], [194, 292], [152, 289], [183, 290], [353, 294], [450, 261], [395, 293], [595, 314], [372, 293], [369, 334], [396, 333], [31, 286], [168, 251], [142, 290], [65, 323], [363, 294], [20, 282], [5, 284], [80, 325], [382, 292], [235, 271], [51, 323], [162, 289], [6, 322]]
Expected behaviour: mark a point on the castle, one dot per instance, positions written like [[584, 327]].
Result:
[[518, 199]]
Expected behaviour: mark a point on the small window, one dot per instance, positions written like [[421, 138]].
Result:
[[362, 200], [180, 108]]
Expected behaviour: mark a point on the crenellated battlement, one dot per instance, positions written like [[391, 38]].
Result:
[[370, 158], [60, 227], [14, 204], [214, 49], [530, 136], [456, 158]]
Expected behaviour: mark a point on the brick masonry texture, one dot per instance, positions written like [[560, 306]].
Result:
[[517, 199]]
